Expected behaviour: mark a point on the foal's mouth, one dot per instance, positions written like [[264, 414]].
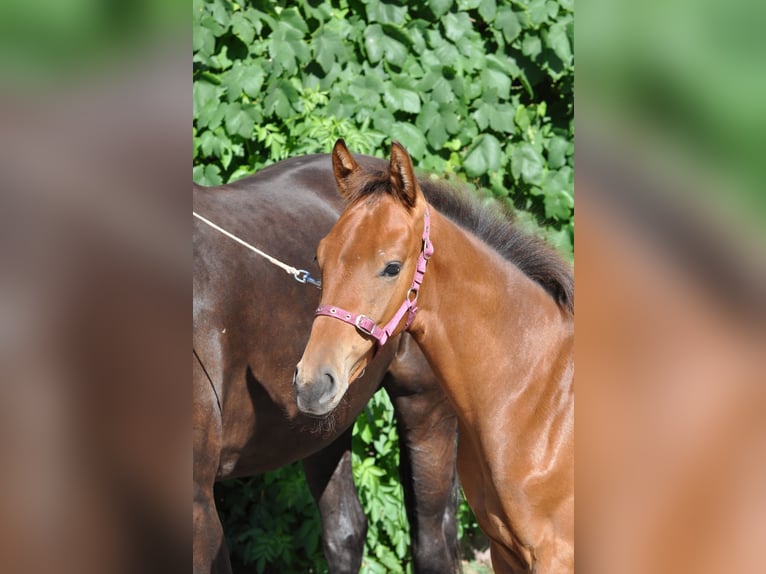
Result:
[[357, 371]]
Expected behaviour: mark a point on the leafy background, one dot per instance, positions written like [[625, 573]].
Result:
[[480, 91]]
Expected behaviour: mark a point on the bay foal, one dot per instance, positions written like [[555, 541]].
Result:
[[499, 341]]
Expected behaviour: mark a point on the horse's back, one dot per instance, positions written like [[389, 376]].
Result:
[[283, 191]]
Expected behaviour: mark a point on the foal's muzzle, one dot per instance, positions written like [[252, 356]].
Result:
[[319, 395]]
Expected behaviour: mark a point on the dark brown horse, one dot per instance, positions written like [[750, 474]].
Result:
[[495, 323], [251, 323]]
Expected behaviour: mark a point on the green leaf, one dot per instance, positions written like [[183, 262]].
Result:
[[436, 135], [484, 156], [242, 28], [386, 13], [497, 81], [388, 559], [221, 60], [410, 137], [278, 99], [283, 55], [220, 12], [531, 46], [210, 144], [253, 81], [366, 433], [243, 78], [487, 10], [521, 117], [401, 99], [557, 150], [415, 31], [553, 9], [508, 22], [538, 12], [393, 51], [373, 42], [450, 114], [204, 97], [527, 164], [207, 175], [558, 41], [380, 46], [561, 240], [256, 19], [382, 119], [438, 86], [369, 82], [440, 7], [502, 118], [203, 41], [327, 47], [558, 205], [442, 92], [238, 121], [457, 26], [447, 53], [292, 17], [429, 114], [483, 115], [287, 48]]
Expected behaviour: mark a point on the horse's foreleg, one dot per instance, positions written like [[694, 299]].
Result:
[[427, 431], [344, 524], [429, 479], [209, 553]]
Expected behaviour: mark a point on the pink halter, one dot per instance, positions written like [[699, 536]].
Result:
[[410, 304]]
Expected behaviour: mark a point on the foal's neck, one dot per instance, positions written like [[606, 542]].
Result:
[[482, 318]]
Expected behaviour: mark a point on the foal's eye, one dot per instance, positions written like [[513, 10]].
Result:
[[392, 270]]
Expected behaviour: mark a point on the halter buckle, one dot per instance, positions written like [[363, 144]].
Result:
[[367, 331]]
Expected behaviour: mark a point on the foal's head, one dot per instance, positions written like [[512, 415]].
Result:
[[368, 261]]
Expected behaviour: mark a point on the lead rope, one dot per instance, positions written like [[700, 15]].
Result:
[[300, 275]]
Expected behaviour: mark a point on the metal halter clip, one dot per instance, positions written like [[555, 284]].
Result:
[[303, 276]]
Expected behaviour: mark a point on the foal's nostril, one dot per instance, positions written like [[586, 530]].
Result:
[[329, 382], [295, 377]]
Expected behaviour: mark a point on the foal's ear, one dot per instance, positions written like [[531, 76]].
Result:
[[343, 165], [403, 183]]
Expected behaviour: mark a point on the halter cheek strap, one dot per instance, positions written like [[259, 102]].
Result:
[[366, 325]]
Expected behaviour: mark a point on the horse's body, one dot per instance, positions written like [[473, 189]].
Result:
[[251, 322], [498, 332]]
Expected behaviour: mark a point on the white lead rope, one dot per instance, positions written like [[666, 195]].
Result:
[[300, 275]]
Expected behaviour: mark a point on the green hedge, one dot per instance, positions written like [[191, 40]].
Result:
[[477, 90]]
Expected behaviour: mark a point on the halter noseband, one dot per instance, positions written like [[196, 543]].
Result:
[[366, 325]]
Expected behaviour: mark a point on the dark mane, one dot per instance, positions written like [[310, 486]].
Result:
[[494, 225]]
